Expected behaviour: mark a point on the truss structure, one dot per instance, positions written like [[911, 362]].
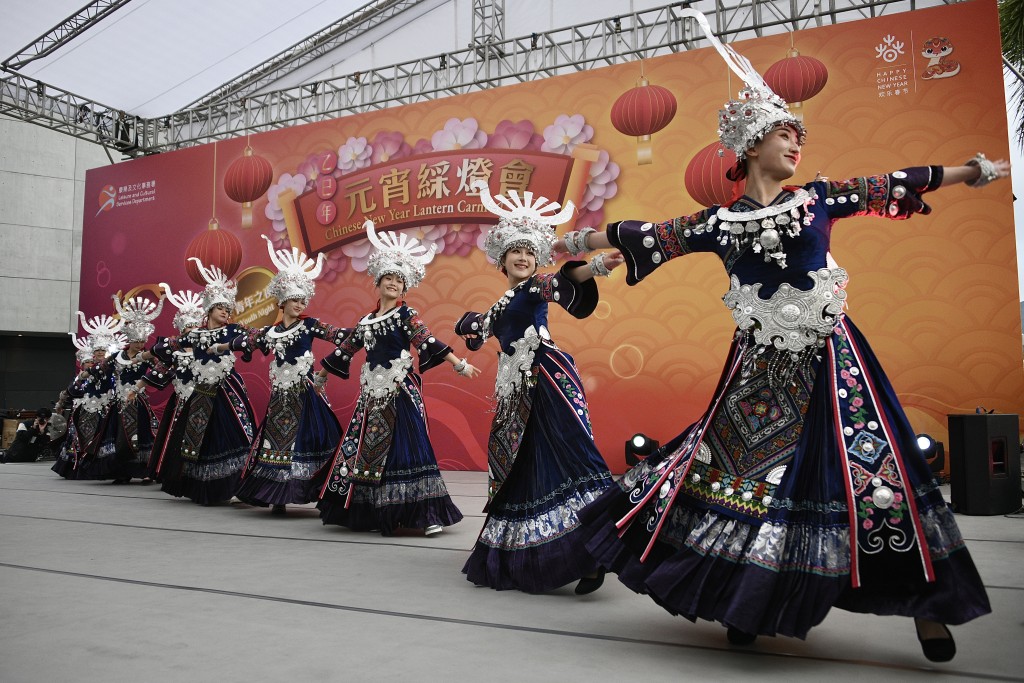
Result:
[[229, 113]]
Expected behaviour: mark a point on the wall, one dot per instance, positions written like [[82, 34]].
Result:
[[42, 181]]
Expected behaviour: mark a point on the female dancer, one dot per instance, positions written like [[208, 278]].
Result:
[[217, 422], [125, 437], [92, 387], [299, 433], [825, 501], [67, 461], [542, 462], [385, 476]]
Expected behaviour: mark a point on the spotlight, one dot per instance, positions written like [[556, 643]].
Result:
[[638, 447], [933, 451]]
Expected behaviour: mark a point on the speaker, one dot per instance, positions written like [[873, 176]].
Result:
[[984, 464]]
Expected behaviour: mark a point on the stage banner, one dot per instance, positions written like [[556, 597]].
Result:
[[936, 295]]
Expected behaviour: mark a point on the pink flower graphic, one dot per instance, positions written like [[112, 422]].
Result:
[[565, 133], [460, 240], [422, 146], [600, 188], [311, 167], [359, 253], [295, 183], [428, 235], [868, 524], [354, 155], [464, 134], [335, 264], [388, 146], [521, 135]]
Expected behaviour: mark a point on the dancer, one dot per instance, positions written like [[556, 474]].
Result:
[[218, 421], [543, 466], [765, 518], [95, 389], [385, 476], [126, 433], [299, 433], [77, 392], [172, 365]]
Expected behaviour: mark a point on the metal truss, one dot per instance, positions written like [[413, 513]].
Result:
[[488, 22], [307, 50], [65, 31], [614, 40]]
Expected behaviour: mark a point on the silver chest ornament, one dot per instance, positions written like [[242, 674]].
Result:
[[762, 229]]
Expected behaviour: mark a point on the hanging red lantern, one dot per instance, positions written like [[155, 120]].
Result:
[[214, 247], [641, 112], [248, 177], [796, 79], [705, 176]]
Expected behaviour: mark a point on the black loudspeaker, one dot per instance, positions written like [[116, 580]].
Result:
[[984, 464]]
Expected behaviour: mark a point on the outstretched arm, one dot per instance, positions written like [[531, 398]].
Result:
[[977, 172]]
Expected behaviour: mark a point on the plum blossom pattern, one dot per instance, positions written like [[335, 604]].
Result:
[[600, 188], [459, 134], [355, 154], [388, 146], [521, 135], [296, 183], [565, 133]]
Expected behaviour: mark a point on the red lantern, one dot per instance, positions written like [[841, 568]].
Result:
[[641, 112], [705, 176], [796, 79], [248, 177], [214, 247]]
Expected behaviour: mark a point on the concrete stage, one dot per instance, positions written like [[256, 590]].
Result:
[[124, 583]]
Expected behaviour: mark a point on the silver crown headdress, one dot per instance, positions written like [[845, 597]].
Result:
[[83, 354], [296, 272], [757, 111], [398, 254], [102, 330], [524, 223], [219, 289], [189, 304], [137, 315]]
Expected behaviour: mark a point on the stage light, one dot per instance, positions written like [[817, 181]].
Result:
[[933, 451], [638, 447]]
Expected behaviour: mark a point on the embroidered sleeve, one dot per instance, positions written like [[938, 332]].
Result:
[[339, 361], [471, 323], [895, 195], [328, 332], [158, 374], [252, 339], [431, 351], [647, 245], [164, 349], [76, 389], [578, 298]]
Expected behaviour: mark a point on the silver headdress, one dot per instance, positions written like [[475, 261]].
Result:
[[84, 348], [137, 315], [524, 223], [191, 310], [397, 254], [102, 330], [757, 111], [296, 272], [219, 289]]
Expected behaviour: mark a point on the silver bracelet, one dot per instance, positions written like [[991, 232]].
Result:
[[460, 366], [576, 241], [597, 266], [987, 168]]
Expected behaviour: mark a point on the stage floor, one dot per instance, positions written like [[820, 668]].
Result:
[[124, 583]]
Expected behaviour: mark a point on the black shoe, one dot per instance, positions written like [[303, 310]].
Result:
[[937, 649], [589, 584], [738, 637], [278, 510]]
